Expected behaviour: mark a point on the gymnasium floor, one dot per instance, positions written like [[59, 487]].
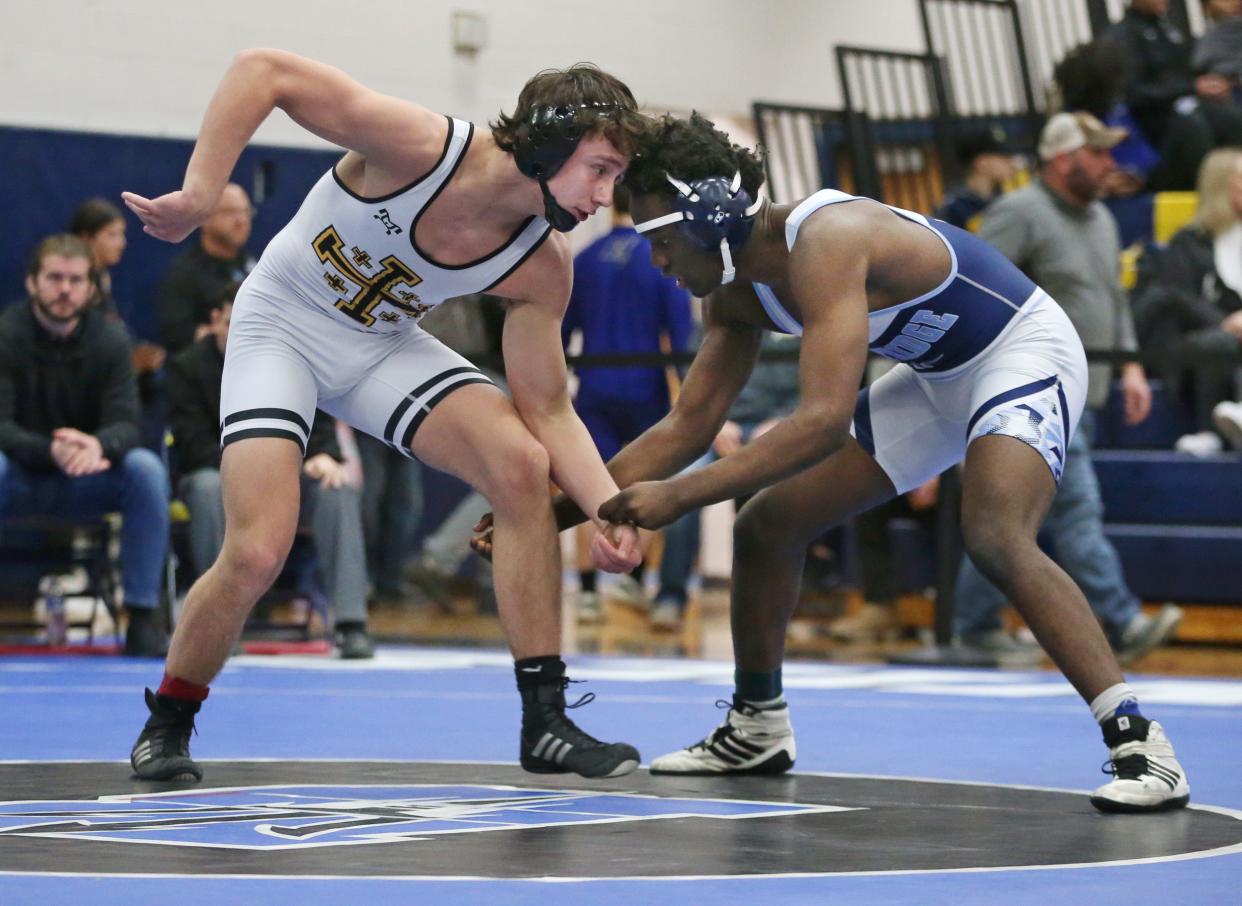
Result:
[[395, 781]]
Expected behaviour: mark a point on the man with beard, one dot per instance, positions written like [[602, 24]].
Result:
[[69, 426], [1065, 240]]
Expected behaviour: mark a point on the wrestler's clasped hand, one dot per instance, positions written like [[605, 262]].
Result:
[[647, 504], [614, 548]]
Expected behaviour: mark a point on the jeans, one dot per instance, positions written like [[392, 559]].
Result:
[[392, 507], [1075, 524], [335, 520], [137, 487]]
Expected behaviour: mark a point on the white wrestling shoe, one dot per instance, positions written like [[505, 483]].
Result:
[[1146, 775], [750, 741]]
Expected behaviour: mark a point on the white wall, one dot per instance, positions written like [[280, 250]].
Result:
[[148, 66]]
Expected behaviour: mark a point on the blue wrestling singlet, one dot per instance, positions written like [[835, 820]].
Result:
[[945, 328]]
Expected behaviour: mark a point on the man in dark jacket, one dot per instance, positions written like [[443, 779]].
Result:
[[201, 275], [69, 426], [1159, 64], [330, 506]]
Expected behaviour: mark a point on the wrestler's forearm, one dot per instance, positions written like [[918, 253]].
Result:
[[575, 462], [662, 450], [242, 101], [797, 443]]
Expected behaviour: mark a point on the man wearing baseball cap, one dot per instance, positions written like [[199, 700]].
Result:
[[1065, 133], [1059, 233], [986, 158]]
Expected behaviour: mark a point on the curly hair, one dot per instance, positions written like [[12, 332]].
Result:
[[1092, 77], [581, 85], [688, 150]]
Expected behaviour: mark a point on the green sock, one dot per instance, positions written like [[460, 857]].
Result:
[[755, 686]]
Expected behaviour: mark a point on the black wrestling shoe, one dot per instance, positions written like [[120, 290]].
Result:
[[162, 751], [553, 744]]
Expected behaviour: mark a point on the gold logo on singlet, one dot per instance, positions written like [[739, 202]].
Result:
[[373, 288]]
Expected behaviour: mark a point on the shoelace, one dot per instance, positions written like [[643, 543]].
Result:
[[587, 697], [1130, 767], [566, 728], [723, 731]]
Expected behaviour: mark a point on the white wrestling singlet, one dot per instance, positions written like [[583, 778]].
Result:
[[329, 317]]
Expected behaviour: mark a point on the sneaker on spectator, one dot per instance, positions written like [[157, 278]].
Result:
[[1227, 417], [145, 635], [1143, 633], [353, 643], [1204, 443], [433, 582], [588, 607], [1006, 648], [629, 591], [872, 623], [666, 616]]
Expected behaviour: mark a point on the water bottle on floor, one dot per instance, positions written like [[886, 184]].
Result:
[[54, 605]]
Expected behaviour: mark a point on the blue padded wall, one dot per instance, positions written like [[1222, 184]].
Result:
[[48, 173]]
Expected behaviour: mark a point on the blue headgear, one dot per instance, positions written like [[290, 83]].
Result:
[[546, 141], [714, 212]]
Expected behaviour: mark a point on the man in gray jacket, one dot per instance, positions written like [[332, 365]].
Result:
[[1059, 233]]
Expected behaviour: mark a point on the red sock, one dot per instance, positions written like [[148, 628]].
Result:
[[181, 690]]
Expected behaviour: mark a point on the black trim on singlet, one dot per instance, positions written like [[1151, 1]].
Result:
[[430, 201], [448, 141], [408, 437], [413, 395], [534, 248], [264, 432], [287, 415]]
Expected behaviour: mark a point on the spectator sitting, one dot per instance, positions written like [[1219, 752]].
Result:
[[69, 427], [1190, 315], [204, 273], [101, 225], [1219, 51], [1211, 117], [988, 165], [329, 505]]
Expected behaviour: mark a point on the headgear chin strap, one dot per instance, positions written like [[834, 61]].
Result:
[[547, 140], [714, 213], [559, 218]]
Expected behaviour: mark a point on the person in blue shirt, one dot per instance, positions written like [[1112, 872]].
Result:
[[621, 304]]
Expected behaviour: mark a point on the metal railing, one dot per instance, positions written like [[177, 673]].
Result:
[[898, 109]]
